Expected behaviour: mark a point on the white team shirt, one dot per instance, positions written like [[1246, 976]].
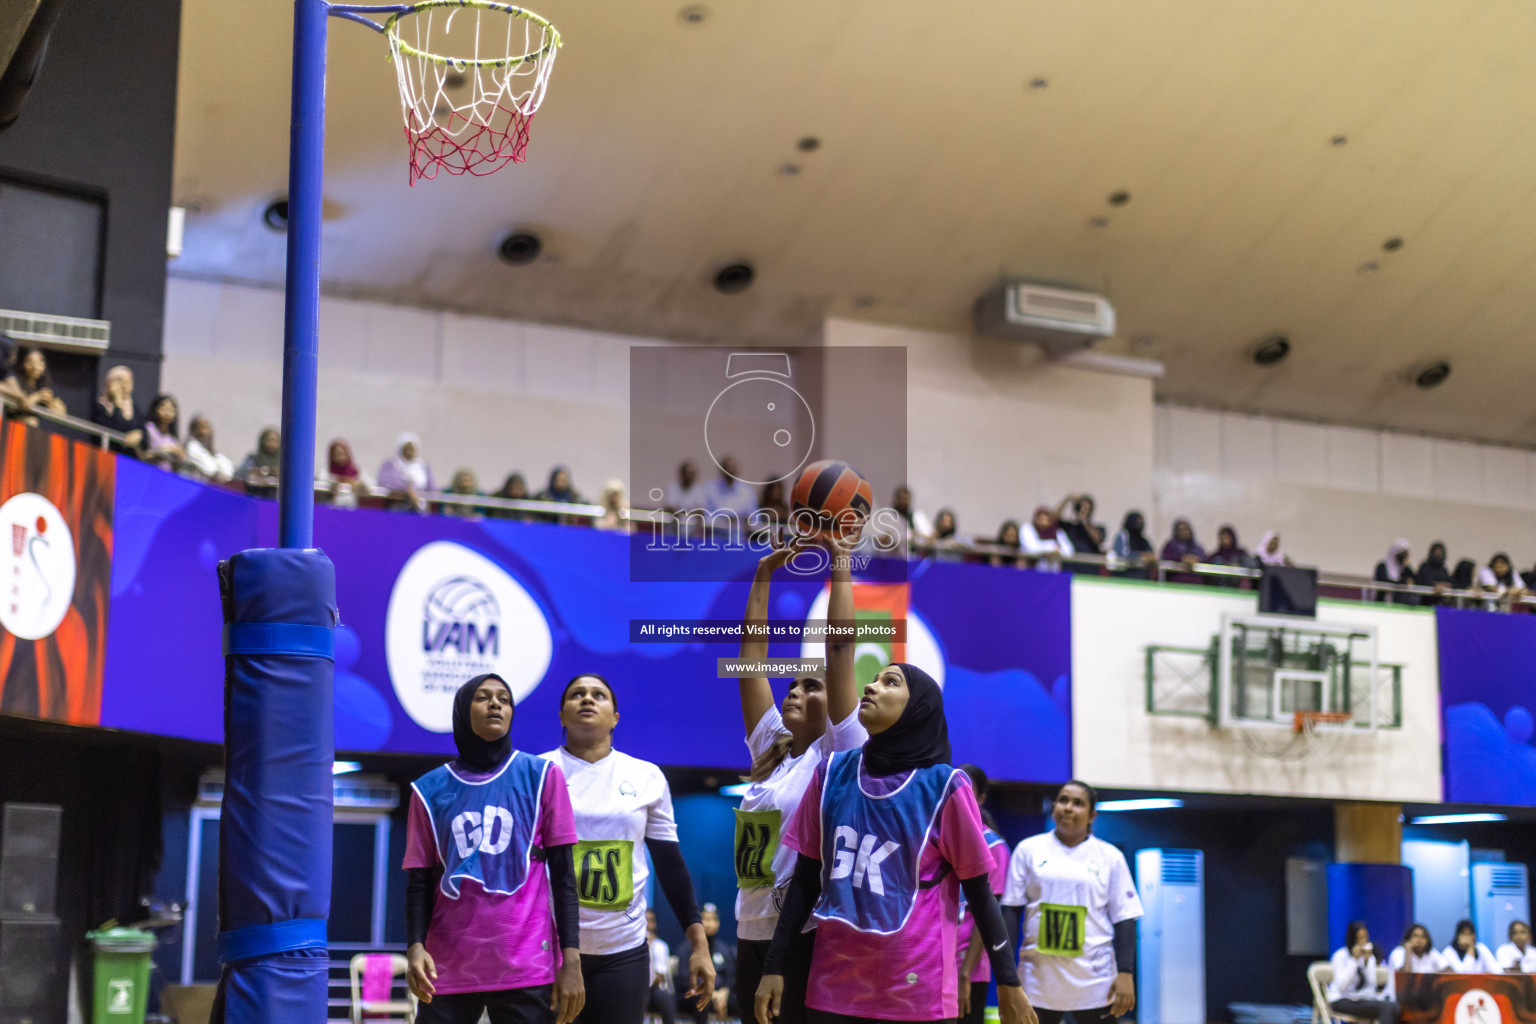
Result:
[[1402, 960], [757, 910], [1479, 960], [661, 964], [1092, 875], [1510, 956], [619, 797]]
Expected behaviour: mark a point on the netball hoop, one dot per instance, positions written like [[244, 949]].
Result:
[[469, 111], [472, 74]]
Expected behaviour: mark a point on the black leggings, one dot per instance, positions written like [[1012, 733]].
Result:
[[978, 1012], [508, 1006], [797, 975], [823, 1017], [618, 986], [1093, 1016]]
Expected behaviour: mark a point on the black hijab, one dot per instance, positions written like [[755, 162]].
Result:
[[481, 755], [920, 737]]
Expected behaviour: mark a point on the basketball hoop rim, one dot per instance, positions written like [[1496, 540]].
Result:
[[401, 46]]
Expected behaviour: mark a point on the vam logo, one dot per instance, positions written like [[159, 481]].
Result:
[[453, 614]]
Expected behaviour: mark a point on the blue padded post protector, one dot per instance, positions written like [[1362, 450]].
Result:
[[275, 827]]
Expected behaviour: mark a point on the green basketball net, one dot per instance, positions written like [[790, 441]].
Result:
[[472, 75]]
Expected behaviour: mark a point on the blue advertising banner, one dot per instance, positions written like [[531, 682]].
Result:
[[427, 602], [1487, 693]]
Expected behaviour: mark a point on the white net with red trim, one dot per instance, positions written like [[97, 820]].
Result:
[[472, 75]]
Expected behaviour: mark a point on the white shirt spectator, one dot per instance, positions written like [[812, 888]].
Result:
[[680, 497], [732, 496], [1512, 958], [213, 465], [1355, 979], [1479, 960], [661, 964], [1033, 544], [1429, 963]]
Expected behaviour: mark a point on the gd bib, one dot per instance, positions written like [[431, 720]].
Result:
[[605, 876], [1061, 929], [757, 840]]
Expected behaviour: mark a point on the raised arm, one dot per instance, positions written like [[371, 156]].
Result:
[[756, 694], [842, 688]]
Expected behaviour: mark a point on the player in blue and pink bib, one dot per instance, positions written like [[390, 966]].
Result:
[[491, 893], [887, 836], [975, 968]]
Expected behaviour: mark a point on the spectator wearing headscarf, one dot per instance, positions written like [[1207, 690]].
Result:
[[513, 488], [465, 485], [1433, 571], [560, 489], [406, 470], [261, 466], [1229, 552], [1131, 548], [946, 545], [1395, 569], [1044, 539], [1182, 547], [1270, 552]]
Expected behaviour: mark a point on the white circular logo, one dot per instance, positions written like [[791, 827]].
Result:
[[37, 566], [1477, 1007], [454, 614]]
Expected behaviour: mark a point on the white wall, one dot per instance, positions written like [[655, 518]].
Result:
[[993, 429], [1117, 744], [490, 395], [1340, 495]]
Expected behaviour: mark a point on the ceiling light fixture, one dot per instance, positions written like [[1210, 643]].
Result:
[[734, 278], [1338, 140], [520, 248], [1392, 244], [1272, 350], [808, 144], [275, 216], [693, 14], [1432, 375], [1146, 804], [789, 170], [1119, 198], [1037, 83], [1098, 222], [1368, 267], [1454, 819]]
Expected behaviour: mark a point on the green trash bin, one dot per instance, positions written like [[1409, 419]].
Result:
[[121, 978]]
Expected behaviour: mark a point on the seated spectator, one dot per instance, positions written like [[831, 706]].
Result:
[[1229, 552], [1463, 576], [772, 512], [1043, 539], [114, 409], [1131, 548], [1432, 572], [10, 391], [560, 488], [465, 484], [1395, 569], [162, 430], [1499, 579], [1085, 536], [36, 383], [909, 528], [341, 469], [1465, 955], [728, 493], [1354, 990], [261, 466], [946, 544], [687, 492], [613, 508], [1517, 956], [1417, 954], [1182, 547], [406, 472], [203, 455], [1007, 537], [1270, 552], [513, 488]]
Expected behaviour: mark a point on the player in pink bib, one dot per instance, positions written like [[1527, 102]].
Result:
[[887, 836], [491, 893]]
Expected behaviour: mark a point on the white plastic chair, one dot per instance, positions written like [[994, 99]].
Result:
[[404, 1009]]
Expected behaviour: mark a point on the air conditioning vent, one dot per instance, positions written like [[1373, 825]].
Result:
[[1059, 320], [72, 333], [1181, 867], [1507, 879]]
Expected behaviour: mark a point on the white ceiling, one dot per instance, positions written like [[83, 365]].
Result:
[[657, 157]]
